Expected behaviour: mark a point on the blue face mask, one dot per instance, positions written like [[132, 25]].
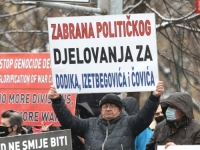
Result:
[[170, 113]]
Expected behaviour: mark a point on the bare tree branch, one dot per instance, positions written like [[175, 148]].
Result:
[[19, 12]]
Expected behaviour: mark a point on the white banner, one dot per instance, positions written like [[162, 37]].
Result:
[[95, 54], [180, 147]]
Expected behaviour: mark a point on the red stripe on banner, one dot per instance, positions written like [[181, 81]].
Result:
[[197, 4]]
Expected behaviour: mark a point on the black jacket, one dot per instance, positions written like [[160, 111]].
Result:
[[100, 134], [185, 131]]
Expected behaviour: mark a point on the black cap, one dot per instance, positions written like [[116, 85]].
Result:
[[111, 98]]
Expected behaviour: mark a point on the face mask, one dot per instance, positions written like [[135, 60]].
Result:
[[170, 113], [159, 119], [4, 131]]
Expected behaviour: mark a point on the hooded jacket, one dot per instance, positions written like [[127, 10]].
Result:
[[99, 134], [130, 105], [183, 131]]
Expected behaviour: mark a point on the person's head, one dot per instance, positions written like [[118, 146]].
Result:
[[11, 123], [177, 106], [83, 110], [158, 116], [110, 106]]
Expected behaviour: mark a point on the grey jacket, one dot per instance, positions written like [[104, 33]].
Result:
[[185, 131], [99, 134]]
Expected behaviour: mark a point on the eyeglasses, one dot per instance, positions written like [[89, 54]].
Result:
[[108, 106]]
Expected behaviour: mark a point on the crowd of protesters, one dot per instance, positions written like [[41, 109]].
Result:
[[111, 123]]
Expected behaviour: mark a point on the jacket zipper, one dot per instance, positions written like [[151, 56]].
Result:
[[122, 146], [106, 136]]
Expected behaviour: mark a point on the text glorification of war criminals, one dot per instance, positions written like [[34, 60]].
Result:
[[113, 53], [25, 79]]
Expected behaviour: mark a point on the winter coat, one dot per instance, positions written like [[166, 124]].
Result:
[[131, 106], [142, 139], [99, 134], [185, 131]]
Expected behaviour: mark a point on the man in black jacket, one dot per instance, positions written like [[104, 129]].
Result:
[[179, 127], [114, 129]]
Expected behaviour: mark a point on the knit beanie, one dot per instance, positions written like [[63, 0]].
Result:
[[111, 98]]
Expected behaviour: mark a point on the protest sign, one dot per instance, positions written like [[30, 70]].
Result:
[[179, 147], [99, 54], [25, 79], [54, 140]]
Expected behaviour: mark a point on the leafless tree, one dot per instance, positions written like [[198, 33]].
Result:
[[177, 26], [23, 28]]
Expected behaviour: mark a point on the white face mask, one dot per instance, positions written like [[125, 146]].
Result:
[[170, 113]]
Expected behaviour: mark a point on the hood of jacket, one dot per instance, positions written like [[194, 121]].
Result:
[[130, 105], [182, 101]]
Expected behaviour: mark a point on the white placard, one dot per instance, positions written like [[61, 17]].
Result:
[[180, 147], [112, 53]]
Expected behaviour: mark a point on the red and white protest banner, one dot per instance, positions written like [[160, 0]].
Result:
[[25, 79], [100, 54]]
